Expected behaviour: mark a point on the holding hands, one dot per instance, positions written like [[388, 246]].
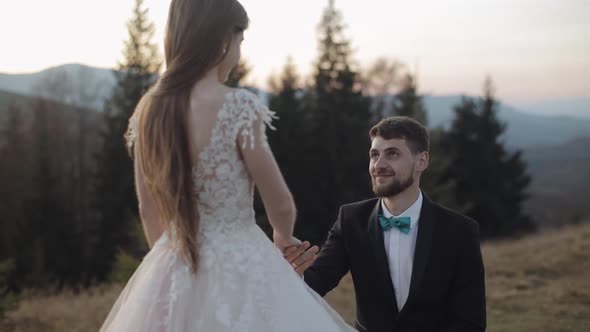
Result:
[[301, 256]]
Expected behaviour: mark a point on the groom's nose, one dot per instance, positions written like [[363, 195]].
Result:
[[380, 163]]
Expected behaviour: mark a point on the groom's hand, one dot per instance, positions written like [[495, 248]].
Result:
[[301, 257]]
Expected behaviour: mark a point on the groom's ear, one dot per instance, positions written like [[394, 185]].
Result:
[[423, 161]]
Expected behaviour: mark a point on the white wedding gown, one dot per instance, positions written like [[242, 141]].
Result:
[[243, 282]]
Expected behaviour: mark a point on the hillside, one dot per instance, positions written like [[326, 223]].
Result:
[[526, 128], [560, 172], [9, 99], [537, 283], [578, 107], [560, 182], [76, 79], [26, 104]]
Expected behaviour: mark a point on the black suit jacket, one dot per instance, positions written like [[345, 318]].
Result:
[[447, 290]]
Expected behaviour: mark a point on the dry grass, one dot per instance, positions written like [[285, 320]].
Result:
[[538, 283], [64, 311]]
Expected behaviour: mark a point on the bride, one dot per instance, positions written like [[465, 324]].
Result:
[[199, 148]]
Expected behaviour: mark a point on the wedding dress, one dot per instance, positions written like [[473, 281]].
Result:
[[243, 282]]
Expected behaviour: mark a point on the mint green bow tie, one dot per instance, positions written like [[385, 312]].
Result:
[[401, 223]]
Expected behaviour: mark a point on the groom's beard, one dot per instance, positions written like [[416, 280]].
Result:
[[394, 188]]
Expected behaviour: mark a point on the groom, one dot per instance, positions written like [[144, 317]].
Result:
[[415, 265]]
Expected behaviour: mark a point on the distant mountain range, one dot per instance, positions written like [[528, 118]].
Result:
[[554, 147], [524, 129], [560, 183], [578, 107], [71, 83], [88, 87]]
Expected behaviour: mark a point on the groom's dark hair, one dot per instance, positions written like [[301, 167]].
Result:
[[403, 127]]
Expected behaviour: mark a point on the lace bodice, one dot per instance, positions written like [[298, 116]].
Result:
[[223, 188]]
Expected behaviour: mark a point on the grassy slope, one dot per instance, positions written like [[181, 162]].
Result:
[[538, 283]]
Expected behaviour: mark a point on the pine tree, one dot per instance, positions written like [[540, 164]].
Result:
[[48, 241], [381, 81], [116, 200], [15, 189], [408, 102], [490, 182], [286, 101], [336, 145], [238, 74], [434, 181], [287, 141]]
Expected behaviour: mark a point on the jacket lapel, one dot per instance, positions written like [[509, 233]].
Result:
[[376, 240], [423, 246]]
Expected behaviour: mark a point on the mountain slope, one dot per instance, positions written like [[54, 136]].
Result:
[[578, 107], [72, 83], [560, 182], [524, 129]]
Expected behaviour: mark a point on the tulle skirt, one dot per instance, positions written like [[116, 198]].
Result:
[[243, 284]]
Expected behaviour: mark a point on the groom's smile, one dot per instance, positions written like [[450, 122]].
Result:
[[382, 178], [391, 166]]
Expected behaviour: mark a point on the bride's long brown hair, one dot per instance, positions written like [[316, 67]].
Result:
[[198, 36]]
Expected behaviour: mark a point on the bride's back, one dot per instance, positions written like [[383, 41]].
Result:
[[205, 103], [199, 141], [222, 185]]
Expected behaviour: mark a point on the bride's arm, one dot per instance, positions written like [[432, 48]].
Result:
[[262, 166], [148, 212]]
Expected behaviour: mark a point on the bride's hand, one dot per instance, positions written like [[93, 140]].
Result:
[[283, 243]]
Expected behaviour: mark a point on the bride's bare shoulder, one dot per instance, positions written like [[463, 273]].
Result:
[[208, 96]]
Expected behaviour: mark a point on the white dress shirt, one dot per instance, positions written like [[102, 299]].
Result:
[[399, 248]]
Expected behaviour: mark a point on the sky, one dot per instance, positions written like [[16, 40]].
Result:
[[535, 50]]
